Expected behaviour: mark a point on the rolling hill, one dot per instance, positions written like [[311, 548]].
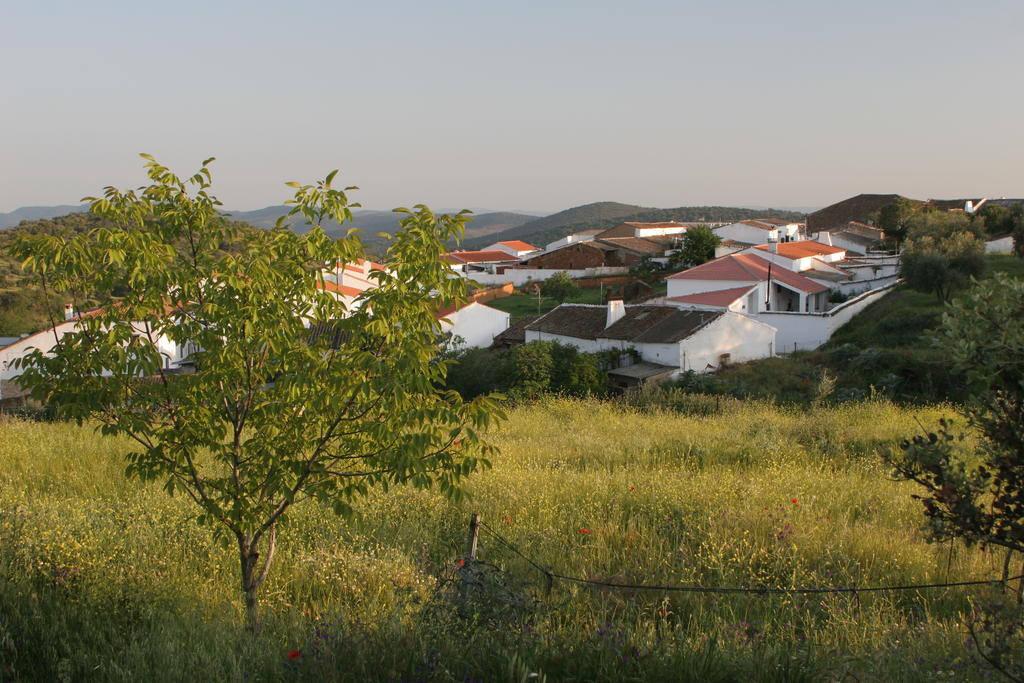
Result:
[[604, 215], [37, 213]]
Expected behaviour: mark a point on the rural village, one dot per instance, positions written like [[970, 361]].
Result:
[[512, 342], [772, 287]]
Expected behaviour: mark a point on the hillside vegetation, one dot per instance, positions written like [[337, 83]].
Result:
[[24, 306], [101, 579]]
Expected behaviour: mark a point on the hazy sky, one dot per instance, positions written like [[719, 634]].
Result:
[[521, 104]]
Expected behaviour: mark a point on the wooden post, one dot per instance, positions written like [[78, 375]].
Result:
[[473, 538], [466, 574]]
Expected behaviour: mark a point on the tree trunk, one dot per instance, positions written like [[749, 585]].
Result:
[[254, 573]]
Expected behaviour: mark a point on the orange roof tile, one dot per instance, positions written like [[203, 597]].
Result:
[[721, 297], [748, 268], [329, 286], [802, 249], [519, 245], [478, 257]]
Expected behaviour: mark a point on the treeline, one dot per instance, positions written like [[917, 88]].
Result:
[[530, 371]]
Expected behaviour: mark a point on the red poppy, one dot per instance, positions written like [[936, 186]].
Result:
[[456, 444], [294, 654], [632, 488], [793, 501], [508, 520], [584, 531], [462, 563]]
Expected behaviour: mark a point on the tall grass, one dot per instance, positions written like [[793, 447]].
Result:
[[104, 579]]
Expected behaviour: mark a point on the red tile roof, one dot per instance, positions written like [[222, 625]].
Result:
[[329, 286], [357, 267], [759, 224], [802, 249], [748, 268], [478, 257], [774, 221], [662, 224], [721, 297], [519, 245]]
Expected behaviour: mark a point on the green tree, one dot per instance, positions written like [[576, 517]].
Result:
[[273, 414], [977, 493], [942, 265], [895, 218], [559, 287], [699, 244], [645, 269]]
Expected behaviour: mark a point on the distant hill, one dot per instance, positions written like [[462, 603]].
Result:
[[373, 222], [37, 213], [603, 215]]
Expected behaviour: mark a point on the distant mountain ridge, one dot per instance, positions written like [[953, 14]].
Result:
[[604, 215], [370, 222], [38, 213], [484, 229]]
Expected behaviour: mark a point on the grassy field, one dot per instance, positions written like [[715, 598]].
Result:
[[520, 305], [104, 579]]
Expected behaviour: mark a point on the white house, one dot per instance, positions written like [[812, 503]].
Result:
[[353, 276], [766, 285], [663, 335], [467, 263], [473, 325], [45, 340], [760, 231], [854, 237], [516, 248]]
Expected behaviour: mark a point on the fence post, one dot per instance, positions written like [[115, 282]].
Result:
[[467, 574], [472, 539]]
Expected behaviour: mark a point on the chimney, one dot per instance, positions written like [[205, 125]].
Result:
[[69, 311], [825, 238], [616, 309], [773, 247]]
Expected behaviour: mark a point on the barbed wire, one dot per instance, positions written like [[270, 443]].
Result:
[[551, 575]]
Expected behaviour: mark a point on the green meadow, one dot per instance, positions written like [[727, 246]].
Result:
[[107, 579]]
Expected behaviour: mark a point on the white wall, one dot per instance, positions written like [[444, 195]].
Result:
[[46, 340], [476, 324], [806, 331], [741, 337], [585, 345], [682, 287], [1003, 245], [741, 232], [520, 276]]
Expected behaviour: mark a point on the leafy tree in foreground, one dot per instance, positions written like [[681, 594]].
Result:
[[943, 265], [274, 414], [977, 495]]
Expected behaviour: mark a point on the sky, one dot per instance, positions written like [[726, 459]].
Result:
[[516, 105]]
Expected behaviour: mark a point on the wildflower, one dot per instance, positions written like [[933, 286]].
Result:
[[294, 654], [584, 531], [462, 563], [508, 520], [794, 501], [632, 488]]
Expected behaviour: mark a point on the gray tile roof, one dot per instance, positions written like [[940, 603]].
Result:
[[641, 324]]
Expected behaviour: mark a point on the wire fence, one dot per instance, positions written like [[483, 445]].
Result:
[[551, 576]]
